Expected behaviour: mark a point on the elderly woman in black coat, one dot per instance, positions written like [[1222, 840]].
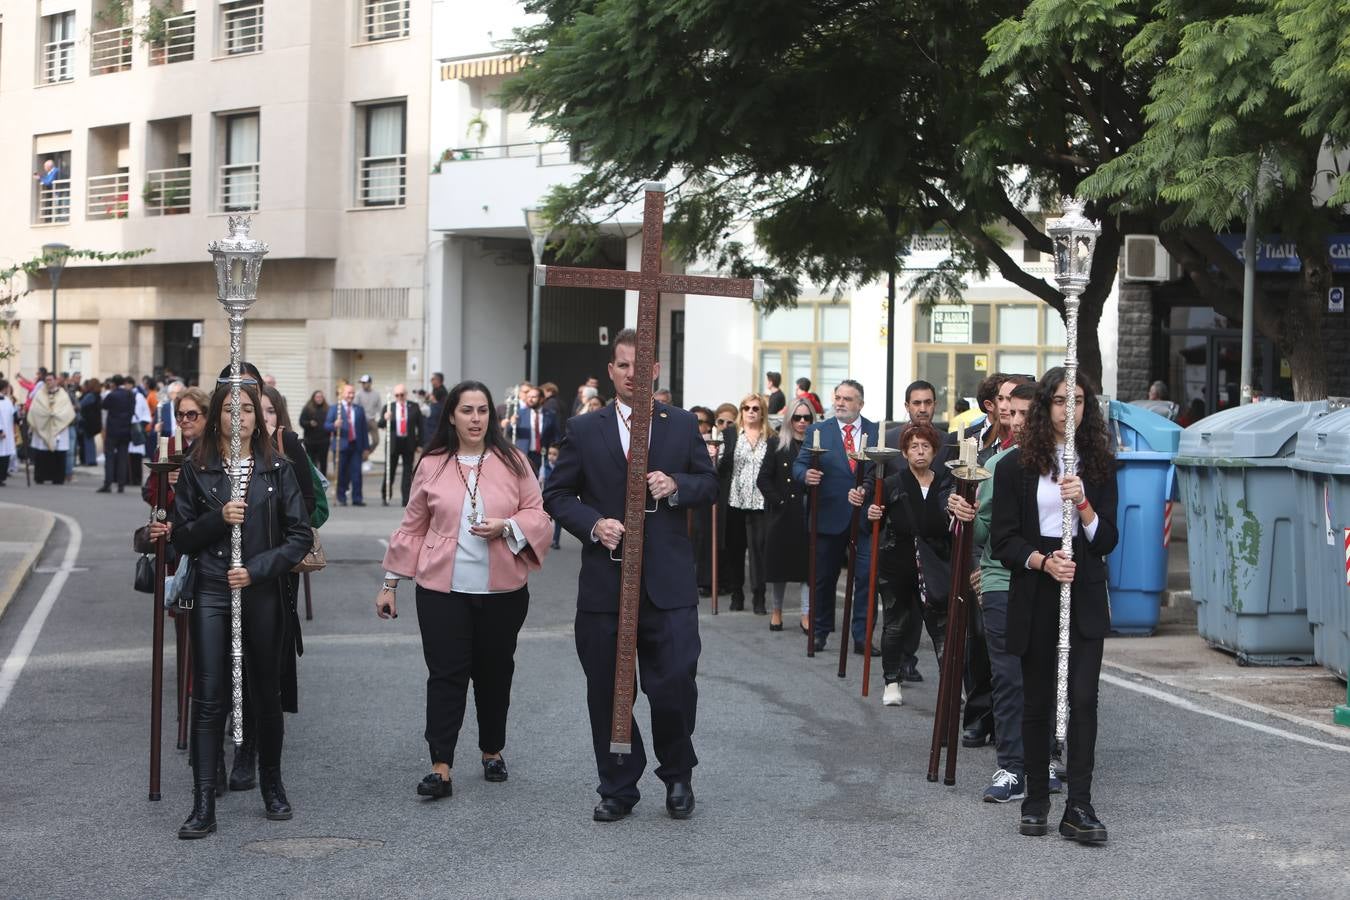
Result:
[[787, 543]]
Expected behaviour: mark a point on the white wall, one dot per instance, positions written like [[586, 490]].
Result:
[[495, 323]]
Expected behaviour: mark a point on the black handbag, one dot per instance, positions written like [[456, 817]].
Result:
[[145, 574]]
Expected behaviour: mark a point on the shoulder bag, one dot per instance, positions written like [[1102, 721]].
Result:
[[315, 559]]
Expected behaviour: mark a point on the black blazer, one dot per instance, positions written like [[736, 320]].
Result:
[[414, 423], [589, 483], [912, 515], [1015, 533]]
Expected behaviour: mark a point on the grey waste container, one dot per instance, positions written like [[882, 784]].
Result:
[[1321, 466], [1241, 523]]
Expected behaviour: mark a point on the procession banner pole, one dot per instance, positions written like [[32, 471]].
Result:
[[238, 262], [715, 437], [812, 605], [859, 457], [879, 455], [160, 470], [386, 487], [1075, 238]]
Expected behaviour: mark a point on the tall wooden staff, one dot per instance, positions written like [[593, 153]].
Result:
[[238, 261], [1075, 239], [816, 452], [164, 463], [968, 475], [715, 438], [859, 457], [386, 484], [879, 455]]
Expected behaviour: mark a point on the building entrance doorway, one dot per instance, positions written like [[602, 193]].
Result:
[[182, 350]]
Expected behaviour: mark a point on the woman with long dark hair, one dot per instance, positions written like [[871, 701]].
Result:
[[276, 536], [312, 417], [787, 543], [1030, 486], [473, 529]]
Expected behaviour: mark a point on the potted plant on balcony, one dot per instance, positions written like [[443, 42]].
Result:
[[172, 196], [155, 32], [115, 14]]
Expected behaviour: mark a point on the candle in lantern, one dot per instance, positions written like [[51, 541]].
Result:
[[815, 439], [163, 450], [863, 447], [968, 455]]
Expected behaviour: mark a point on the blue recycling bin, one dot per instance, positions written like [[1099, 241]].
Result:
[[1145, 446], [1321, 466], [1242, 512]]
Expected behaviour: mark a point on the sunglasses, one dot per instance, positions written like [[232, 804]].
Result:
[[806, 418], [725, 422], [749, 409], [190, 415]]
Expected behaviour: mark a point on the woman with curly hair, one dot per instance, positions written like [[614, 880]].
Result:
[[1029, 489]]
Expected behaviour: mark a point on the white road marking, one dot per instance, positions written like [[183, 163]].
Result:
[[1191, 706], [23, 647]]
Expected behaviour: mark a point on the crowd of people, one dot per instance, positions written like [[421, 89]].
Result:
[[496, 484]]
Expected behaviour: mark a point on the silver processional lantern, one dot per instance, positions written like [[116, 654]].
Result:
[[238, 260], [1075, 239]]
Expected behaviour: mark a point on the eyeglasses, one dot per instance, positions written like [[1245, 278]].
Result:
[[804, 418], [400, 395], [723, 423], [187, 415], [749, 409]]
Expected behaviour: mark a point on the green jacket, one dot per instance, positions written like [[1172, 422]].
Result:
[[993, 577]]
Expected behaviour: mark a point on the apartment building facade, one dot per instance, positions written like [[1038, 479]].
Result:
[[490, 164], [142, 124]]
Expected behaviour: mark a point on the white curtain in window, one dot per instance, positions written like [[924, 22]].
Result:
[[240, 187], [381, 175], [384, 130], [242, 140]]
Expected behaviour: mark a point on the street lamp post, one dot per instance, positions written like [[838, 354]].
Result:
[[539, 228], [54, 255]]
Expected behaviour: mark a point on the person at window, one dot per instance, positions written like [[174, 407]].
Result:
[[744, 448], [473, 530], [1030, 486]]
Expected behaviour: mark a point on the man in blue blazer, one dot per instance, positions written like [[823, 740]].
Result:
[[586, 494], [836, 478], [347, 420], [536, 428]]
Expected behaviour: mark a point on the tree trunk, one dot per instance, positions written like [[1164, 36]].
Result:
[[1089, 340], [1300, 331]]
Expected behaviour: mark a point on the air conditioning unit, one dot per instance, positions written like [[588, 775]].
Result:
[[1146, 260]]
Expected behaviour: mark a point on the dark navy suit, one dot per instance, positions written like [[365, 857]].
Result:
[[548, 434], [349, 448], [588, 484], [834, 517]]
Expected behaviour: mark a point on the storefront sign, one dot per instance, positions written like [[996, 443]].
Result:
[[951, 324], [1274, 253]]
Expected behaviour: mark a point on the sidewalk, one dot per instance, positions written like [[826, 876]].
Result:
[[23, 533]]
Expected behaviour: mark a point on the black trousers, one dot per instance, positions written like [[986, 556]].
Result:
[[115, 460], [468, 637], [318, 454], [668, 648], [209, 630], [401, 450], [4, 469], [1038, 685], [747, 533], [903, 618]]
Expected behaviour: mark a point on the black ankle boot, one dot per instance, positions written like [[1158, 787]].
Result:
[[203, 819], [759, 604], [273, 794], [243, 772], [737, 601]]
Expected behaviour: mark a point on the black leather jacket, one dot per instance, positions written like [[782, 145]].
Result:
[[276, 532]]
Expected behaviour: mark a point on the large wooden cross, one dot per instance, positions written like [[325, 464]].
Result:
[[650, 283]]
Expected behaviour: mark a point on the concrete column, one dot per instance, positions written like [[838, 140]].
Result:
[[1134, 350], [445, 310]]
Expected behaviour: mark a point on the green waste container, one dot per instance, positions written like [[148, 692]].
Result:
[[1321, 467], [1242, 514]]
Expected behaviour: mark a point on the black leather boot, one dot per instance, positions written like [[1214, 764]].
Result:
[[203, 819], [759, 604], [737, 601], [274, 794], [243, 773]]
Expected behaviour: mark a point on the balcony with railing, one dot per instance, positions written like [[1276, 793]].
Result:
[[173, 39], [110, 50], [107, 196], [168, 192], [241, 28], [515, 175], [383, 20], [382, 181], [53, 202], [58, 61], [239, 187]]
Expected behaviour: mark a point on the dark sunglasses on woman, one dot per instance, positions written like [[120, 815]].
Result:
[[188, 415]]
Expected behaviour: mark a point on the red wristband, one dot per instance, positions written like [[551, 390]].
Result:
[[1081, 506]]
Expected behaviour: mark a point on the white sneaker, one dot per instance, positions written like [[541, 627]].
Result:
[[367, 468], [891, 697]]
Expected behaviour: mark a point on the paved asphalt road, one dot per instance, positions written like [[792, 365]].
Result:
[[805, 789]]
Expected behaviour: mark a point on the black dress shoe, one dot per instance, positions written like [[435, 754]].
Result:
[[1081, 824], [705, 592], [911, 673], [358, 503], [803, 628], [977, 735], [777, 627], [858, 650], [610, 810], [202, 821], [107, 489], [679, 800], [737, 601], [1033, 825], [820, 644], [494, 769], [435, 787], [275, 804]]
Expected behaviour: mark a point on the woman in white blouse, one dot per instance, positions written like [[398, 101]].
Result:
[[744, 449], [473, 529], [1030, 486]]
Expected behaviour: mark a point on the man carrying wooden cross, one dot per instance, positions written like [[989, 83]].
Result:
[[586, 493]]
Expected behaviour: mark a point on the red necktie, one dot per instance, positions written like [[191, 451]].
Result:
[[403, 420], [849, 448], [534, 429], [351, 424]]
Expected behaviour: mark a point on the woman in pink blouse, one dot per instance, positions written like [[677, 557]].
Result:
[[473, 529]]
